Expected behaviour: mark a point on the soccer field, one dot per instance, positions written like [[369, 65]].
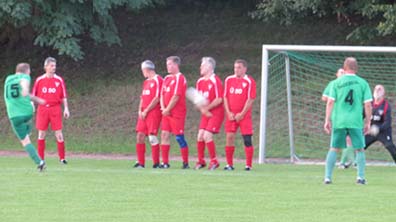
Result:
[[111, 190]]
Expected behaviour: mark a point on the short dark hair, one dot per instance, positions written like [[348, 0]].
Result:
[[22, 67], [175, 59], [241, 61]]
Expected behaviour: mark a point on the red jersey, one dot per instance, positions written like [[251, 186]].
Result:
[[175, 85], [211, 89], [151, 89], [237, 91], [52, 90]]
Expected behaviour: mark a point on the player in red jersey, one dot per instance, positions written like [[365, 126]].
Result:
[[239, 95], [51, 88], [149, 115], [211, 87], [173, 106]]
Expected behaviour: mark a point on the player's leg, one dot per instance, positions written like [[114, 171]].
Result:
[[230, 129], [141, 132], [337, 141], [348, 155], [246, 126], [177, 125], [153, 121], [56, 125], [42, 122], [22, 128], [165, 141], [213, 127], [386, 139], [358, 144], [200, 150]]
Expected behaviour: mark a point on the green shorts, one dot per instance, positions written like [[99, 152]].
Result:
[[22, 126], [338, 138]]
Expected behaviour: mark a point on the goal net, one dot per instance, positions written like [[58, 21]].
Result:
[[294, 78]]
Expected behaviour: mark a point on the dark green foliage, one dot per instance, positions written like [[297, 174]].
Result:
[[369, 18], [61, 24]]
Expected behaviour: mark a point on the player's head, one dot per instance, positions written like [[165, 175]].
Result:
[[172, 64], [208, 65], [50, 65], [350, 65], [23, 68], [148, 68], [340, 72], [379, 92], [240, 67]]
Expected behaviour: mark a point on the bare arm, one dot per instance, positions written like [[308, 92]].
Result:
[[66, 112], [151, 106], [247, 106], [37, 100], [329, 110], [230, 115], [171, 104], [367, 120]]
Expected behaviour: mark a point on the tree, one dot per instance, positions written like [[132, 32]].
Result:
[[371, 18], [61, 24]]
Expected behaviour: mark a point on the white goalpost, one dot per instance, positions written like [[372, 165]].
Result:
[[293, 78]]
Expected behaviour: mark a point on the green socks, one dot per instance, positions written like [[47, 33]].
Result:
[[33, 153], [330, 162], [361, 164], [347, 154]]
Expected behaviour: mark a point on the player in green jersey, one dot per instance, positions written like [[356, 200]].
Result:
[[348, 154], [348, 96], [20, 110]]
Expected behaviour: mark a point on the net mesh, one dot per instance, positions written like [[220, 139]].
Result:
[[310, 72]]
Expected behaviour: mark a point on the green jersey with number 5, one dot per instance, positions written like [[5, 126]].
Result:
[[349, 93], [17, 105]]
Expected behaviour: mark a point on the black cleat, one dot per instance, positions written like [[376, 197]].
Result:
[[164, 166], [248, 168], [41, 166], [138, 166], [199, 166], [63, 161], [156, 166], [185, 166], [360, 181], [327, 181], [228, 167]]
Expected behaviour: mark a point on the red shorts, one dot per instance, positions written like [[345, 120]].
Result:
[[172, 124], [245, 125], [149, 125], [211, 124], [49, 115]]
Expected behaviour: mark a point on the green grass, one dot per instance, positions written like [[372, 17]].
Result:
[[111, 190]]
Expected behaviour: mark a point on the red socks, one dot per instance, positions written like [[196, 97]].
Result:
[[61, 150], [184, 153], [155, 149], [201, 152], [140, 152], [41, 148], [165, 153], [212, 151], [229, 150], [249, 155]]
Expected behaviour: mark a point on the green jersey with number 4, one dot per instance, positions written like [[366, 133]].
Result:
[[17, 105], [349, 92]]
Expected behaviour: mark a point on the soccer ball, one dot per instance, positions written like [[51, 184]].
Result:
[[196, 98], [374, 130]]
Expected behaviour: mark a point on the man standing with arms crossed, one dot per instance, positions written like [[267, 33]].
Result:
[[51, 87], [210, 86], [239, 95], [173, 106], [149, 115], [20, 110], [349, 94]]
